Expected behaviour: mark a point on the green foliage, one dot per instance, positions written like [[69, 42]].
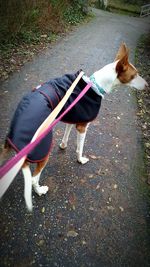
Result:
[[33, 14], [28, 37], [123, 7], [73, 15], [26, 20]]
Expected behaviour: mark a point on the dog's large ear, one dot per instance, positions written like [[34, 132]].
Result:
[[122, 52], [122, 64]]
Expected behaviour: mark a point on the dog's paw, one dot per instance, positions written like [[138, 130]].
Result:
[[83, 160], [41, 190], [62, 145]]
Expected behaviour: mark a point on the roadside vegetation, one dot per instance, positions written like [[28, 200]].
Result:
[[142, 58], [125, 7], [128, 7], [28, 26]]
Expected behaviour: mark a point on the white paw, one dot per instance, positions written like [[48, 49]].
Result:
[[63, 145], [83, 160], [41, 190]]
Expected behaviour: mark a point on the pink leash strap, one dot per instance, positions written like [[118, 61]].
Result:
[[4, 169]]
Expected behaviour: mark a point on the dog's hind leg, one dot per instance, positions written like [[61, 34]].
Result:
[[81, 134], [27, 185], [40, 190], [5, 152], [64, 142]]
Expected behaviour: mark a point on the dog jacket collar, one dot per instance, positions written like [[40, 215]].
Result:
[[98, 89]]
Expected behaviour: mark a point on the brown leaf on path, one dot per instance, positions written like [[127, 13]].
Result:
[[91, 176], [121, 208], [94, 157], [115, 186], [59, 216], [98, 186], [72, 200], [41, 242], [110, 208], [72, 233]]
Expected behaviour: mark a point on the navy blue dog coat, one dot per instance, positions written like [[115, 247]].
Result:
[[36, 106]]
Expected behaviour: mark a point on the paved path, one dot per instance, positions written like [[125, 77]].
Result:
[[102, 204]]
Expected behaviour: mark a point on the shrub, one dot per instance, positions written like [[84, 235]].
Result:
[[19, 19]]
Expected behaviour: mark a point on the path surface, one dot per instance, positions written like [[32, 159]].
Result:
[[102, 204]]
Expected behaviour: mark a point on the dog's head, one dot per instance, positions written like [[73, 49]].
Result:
[[126, 72]]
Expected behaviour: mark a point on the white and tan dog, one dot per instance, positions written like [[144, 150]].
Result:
[[104, 80]]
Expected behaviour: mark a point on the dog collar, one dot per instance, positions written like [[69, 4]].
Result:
[[98, 89]]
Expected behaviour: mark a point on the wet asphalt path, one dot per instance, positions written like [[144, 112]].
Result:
[[93, 215]]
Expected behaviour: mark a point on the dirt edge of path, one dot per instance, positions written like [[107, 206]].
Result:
[[142, 58]]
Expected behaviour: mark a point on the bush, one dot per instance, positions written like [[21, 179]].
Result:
[[22, 18], [73, 15]]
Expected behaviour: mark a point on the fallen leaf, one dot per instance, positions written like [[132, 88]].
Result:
[[41, 242], [59, 216], [72, 234], [43, 210], [83, 181], [91, 176], [72, 200], [121, 208], [98, 186], [115, 186], [109, 199], [147, 145], [110, 208], [92, 156], [44, 35]]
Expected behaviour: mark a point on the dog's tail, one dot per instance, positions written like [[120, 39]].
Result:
[[27, 186]]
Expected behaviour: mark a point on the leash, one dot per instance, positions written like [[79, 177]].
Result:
[[11, 168], [58, 108]]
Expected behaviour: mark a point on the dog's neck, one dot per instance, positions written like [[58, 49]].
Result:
[[105, 79]]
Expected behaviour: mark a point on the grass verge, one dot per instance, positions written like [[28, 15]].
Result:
[[142, 58], [17, 50], [124, 8]]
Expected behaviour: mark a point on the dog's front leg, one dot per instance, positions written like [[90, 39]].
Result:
[[64, 142], [81, 134]]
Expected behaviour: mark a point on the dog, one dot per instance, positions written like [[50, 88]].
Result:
[[39, 103]]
